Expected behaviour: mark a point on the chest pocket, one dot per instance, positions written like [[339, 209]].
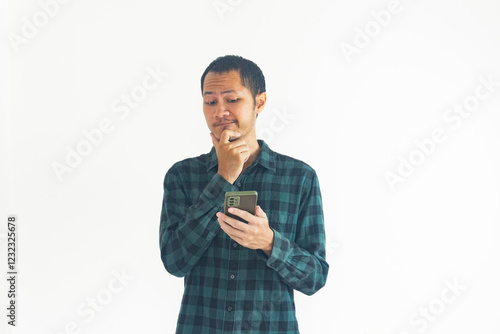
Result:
[[284, 223]]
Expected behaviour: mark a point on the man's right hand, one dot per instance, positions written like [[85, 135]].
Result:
[[231, 155]]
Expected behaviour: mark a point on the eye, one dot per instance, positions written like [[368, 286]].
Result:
[[232, 100], [210, 103]]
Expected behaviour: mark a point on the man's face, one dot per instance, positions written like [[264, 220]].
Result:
[[227, 104]]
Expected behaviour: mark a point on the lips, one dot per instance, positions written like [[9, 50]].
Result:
[[225, 123]]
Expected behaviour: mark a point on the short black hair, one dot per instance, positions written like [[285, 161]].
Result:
[[251, 75]]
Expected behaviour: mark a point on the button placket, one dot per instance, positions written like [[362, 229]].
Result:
[[231, 285], [239, 181]]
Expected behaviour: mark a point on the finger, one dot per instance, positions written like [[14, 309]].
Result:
[[239, 146], [234, 223], [242, 214], [231, 235], [227, 134], [231, 231], [237, 143]]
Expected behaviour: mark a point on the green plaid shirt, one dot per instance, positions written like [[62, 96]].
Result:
[[229, 288]]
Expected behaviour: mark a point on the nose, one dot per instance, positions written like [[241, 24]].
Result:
[[220, 110]]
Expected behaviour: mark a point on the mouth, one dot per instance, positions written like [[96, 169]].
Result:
[[225, 123]]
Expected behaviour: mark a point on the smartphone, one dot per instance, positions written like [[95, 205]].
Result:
[[243, 200]]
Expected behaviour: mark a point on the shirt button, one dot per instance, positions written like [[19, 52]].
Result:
[[235, 244], [232, 276], [229, 308], [238, 184]]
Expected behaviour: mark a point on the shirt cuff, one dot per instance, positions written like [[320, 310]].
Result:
[[279, 253], [216, 189]]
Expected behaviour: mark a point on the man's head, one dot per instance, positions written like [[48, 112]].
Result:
[[233, 91], [250, 74]]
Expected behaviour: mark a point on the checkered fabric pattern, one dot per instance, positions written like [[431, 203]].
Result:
[[229, 288]]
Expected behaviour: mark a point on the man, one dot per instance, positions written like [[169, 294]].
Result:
[[239, 277]]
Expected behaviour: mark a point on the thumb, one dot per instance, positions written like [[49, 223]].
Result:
[[215, 142]]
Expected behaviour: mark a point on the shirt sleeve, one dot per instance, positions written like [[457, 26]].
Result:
[[186, 230], [301, 263]]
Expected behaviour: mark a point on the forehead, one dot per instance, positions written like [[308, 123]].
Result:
[[222, 82]]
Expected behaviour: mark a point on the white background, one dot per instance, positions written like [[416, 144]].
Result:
[[352, 118]]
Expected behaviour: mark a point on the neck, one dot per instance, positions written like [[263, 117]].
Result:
[[254, 148]]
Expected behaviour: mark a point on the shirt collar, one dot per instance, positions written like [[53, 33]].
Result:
[[266, 157]]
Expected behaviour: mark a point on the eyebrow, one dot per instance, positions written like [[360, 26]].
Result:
[[225, 92]]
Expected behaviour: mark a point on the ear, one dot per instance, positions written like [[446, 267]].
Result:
[[260, 102]]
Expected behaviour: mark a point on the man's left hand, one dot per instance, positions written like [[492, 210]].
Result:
[[255, 235]]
